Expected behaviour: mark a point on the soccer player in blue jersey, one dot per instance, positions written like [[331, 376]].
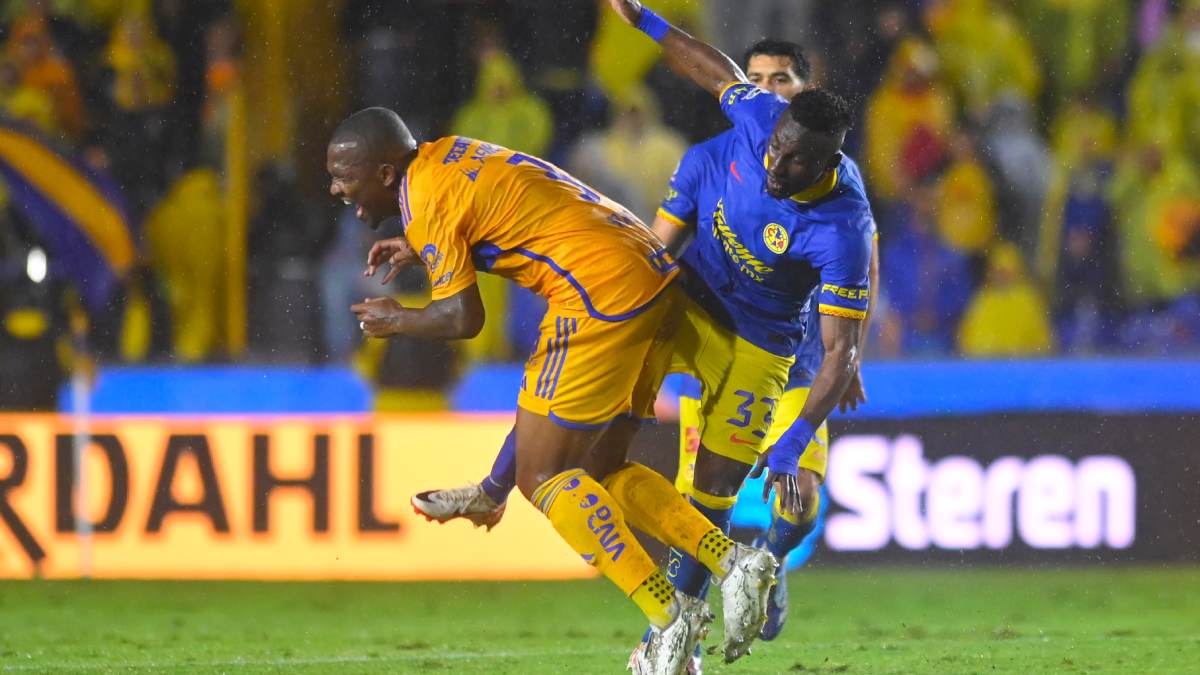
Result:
[[781, 68], [791, 217], [789, 190]]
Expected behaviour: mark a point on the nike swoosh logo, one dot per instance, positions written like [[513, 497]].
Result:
[[734, 438], [733, 170]]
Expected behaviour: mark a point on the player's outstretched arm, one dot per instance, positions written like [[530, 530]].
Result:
[[457, 317], [699, 61]]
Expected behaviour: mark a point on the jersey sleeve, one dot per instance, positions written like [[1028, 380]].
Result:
[[681, 204], [843, 258], [753, 111], [437, 231]]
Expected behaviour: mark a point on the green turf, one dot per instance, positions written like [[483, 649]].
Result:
[[869, 620]]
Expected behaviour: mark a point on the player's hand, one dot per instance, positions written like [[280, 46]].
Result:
[[396, 252], [629, 10], [377, 316], [855, 393], [786, 486]]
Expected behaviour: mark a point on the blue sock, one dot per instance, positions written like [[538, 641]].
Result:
[[688, 575], [503, 478], [784, 536]]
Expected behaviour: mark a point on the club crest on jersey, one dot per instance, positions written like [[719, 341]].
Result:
[[431, 257], [775, 237]]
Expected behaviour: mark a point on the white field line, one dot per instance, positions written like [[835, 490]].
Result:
[[417, 655]]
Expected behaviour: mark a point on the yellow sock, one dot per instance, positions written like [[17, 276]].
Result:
[[654, 506], [588, 518], [689, 443], [656, 598]]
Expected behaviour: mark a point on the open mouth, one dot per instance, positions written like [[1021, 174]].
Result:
[[358, 209]]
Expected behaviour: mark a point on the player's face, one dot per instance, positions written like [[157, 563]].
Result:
[[775, 74], [369, 187], [797, 158]]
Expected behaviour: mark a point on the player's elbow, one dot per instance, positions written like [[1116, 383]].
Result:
[[465, 325], [843, 357], [471, 326], [460, 317]]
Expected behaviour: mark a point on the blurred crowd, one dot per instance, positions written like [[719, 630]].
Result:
[[1034, 164]]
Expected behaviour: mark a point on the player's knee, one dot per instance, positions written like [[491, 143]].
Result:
[[612, 448], [545, 449], [530, 478], [601, 465], [716, 485], [717, 475]]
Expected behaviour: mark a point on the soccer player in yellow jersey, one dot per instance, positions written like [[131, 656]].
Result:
[[467, 206]]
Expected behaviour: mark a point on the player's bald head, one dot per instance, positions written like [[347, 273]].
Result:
[[366, 160], [377, 134]]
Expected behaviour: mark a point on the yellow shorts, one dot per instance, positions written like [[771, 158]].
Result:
[[586, 371], [742, 384], [815, 457]]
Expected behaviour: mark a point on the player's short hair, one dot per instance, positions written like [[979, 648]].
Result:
[[821, 110], [800, 65], [380, 129]]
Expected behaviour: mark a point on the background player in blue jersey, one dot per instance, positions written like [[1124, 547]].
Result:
[[779, 67]]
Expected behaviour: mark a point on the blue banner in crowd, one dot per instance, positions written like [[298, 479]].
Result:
[[78, 213]]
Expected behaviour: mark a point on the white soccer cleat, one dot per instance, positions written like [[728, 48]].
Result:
[[469, 502], [638, 664], [744, 591], [670, 650]]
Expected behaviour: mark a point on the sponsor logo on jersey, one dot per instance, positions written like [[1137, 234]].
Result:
[[742, 257]]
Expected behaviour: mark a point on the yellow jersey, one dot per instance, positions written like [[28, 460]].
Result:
[[468, 205]]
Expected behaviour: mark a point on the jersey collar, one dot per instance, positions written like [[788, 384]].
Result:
[[815, 191], [405, 208]]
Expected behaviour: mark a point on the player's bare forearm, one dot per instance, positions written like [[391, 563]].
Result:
[[673, 235], [433, 321], [856, 392], [841, 337], [873, 280], [700, 62], [695, 59], [457, 317]]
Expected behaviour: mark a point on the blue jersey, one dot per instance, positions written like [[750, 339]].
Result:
[[696, 184], [692, 197], [757, 262]]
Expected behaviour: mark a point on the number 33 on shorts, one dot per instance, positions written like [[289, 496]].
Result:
[[752, 420]]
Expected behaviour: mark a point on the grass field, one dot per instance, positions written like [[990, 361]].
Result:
[[1129, 620]]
